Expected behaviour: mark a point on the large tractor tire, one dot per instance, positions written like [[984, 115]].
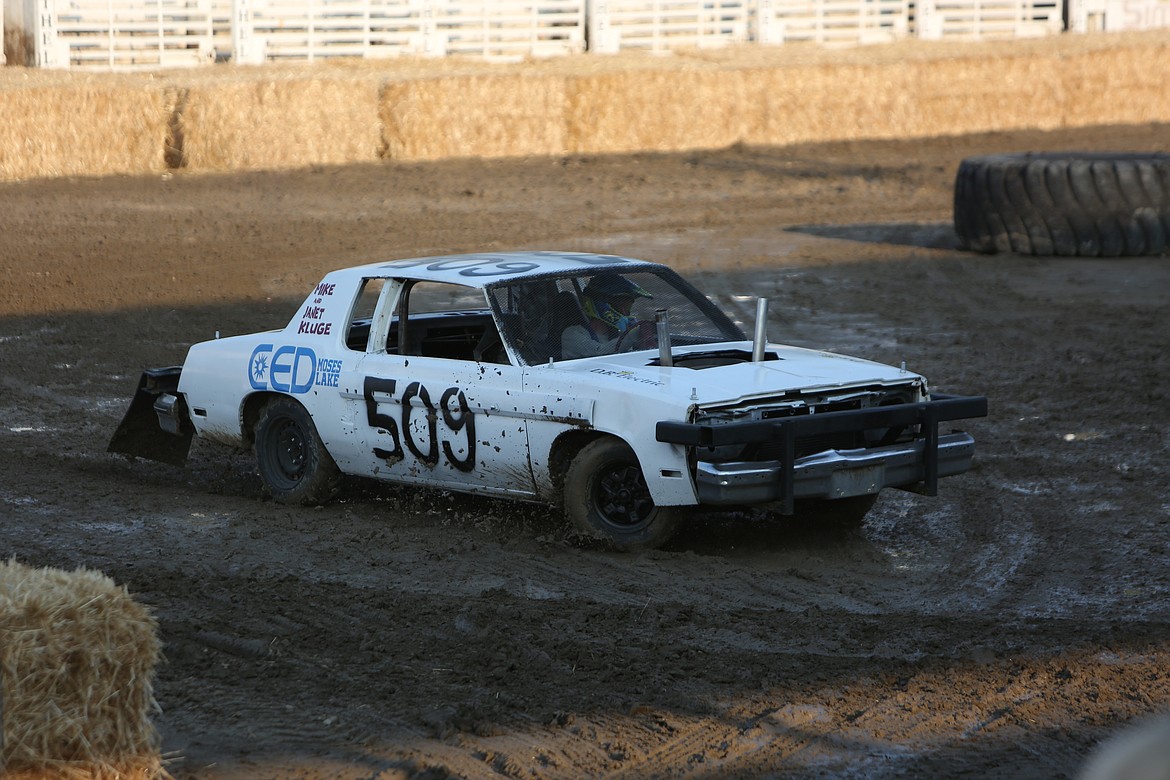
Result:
[[1064, 203]]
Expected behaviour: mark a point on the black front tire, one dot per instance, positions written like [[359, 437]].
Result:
[[606, 497], [293, 461]]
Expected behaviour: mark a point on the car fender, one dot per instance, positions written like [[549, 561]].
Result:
[[621, 408]]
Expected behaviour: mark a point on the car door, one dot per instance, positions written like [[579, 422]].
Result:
[[446, 421]]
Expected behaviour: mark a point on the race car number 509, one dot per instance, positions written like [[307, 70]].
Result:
[[607, 385]]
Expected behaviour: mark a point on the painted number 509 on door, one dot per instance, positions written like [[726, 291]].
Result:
[[457, 440]]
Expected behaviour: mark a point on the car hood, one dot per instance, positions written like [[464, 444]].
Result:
[[788, 369]]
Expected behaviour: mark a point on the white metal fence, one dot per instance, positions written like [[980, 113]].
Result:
[[667, 24], [268, 30], [834, 21], [989, 18], [146, 34], [116, 34]]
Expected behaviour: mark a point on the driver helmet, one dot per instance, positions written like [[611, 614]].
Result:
[[603, 291]]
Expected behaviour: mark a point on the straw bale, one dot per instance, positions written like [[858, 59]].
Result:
[[663, 110], [77, 658], [508, 115], [986, 88], [906, 100], [1127, 85], [256, 122], [86, 127]]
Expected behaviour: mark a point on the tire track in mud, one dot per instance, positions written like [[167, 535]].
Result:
[[845, 731], [961, 552], [711, 747]]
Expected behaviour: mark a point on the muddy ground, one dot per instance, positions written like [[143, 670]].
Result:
[[1001, 629]]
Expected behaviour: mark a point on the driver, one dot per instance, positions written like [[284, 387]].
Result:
[[607, 301]]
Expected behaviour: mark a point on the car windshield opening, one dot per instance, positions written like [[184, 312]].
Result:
[[572, 316]]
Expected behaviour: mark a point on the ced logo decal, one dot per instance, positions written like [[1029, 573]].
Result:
[[285, 369]]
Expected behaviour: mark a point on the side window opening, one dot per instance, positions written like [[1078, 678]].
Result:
[[450, 321], [362, 314]]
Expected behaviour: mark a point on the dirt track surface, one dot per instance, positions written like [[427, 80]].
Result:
[[1000, 629]]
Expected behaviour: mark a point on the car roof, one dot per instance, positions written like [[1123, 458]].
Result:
[[483, 269]]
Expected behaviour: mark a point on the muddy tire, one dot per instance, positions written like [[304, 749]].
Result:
[[606, 498], [1067, 204], [293, 461]]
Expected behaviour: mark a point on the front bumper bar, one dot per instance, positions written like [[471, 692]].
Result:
[[833, 473]]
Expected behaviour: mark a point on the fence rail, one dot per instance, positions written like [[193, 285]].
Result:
[[147, 34], [837, 21], [667, 24], [125, 34], [270, 30], [989, 18]]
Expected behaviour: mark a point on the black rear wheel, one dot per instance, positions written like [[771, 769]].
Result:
[[293, 461], [606, 497]]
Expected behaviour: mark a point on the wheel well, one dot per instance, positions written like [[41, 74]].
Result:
[[565, 448], [250, 414]]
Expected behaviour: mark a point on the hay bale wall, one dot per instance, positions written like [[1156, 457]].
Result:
[[276, 123], [680, 109], [473, 116], [77, 658], [228, 118], [85, 127]]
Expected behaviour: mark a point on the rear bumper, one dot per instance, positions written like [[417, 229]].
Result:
[[831, 474], [156, 425]]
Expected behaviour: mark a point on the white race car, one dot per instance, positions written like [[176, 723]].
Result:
[[604, 384]]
